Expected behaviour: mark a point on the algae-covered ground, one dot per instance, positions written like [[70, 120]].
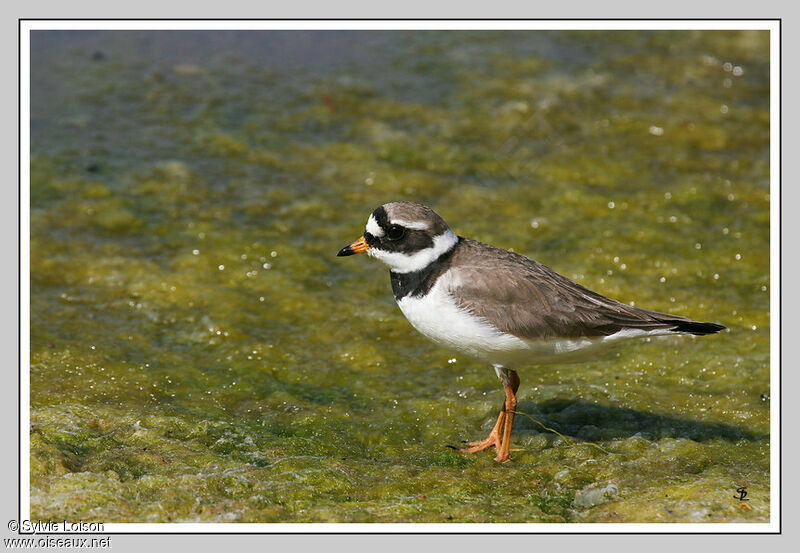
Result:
[[199, 353]]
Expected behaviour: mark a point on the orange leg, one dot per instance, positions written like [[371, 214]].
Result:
[[510, 405], [505, 419], [494, 436]]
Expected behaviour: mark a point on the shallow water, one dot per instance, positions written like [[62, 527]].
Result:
[[198, 353]]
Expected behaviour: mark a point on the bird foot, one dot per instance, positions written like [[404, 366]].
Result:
[[492, 441], [502, 457]]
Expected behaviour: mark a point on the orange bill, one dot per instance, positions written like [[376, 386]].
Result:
[[359, 246]]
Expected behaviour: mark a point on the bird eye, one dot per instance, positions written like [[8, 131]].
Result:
[[395, 232]]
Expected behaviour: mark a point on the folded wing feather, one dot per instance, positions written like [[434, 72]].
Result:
[[531, 301]]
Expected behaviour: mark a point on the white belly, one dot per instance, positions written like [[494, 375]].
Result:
[[437, 317]]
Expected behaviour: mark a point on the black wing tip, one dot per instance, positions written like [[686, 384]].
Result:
[[696, 328]]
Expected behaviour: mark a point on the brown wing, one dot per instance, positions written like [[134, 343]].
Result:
[[529, 300]]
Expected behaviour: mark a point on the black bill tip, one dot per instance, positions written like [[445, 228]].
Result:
[[347, 250]]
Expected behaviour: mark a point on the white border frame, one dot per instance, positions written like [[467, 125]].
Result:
[[414, 24]]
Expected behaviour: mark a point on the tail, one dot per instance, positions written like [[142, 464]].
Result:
[[694, 327]]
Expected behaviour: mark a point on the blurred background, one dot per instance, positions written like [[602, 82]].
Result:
[[198, 353]]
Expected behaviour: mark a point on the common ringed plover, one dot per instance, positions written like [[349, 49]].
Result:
[[497, 306]]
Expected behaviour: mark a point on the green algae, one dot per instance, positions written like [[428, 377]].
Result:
[[198, 353]]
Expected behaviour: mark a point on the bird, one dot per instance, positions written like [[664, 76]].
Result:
[[497, 306]]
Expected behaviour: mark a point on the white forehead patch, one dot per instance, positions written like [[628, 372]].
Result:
[[418, 225], [373, 228]]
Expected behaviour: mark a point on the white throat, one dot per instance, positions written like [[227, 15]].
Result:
[[409, 262]]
